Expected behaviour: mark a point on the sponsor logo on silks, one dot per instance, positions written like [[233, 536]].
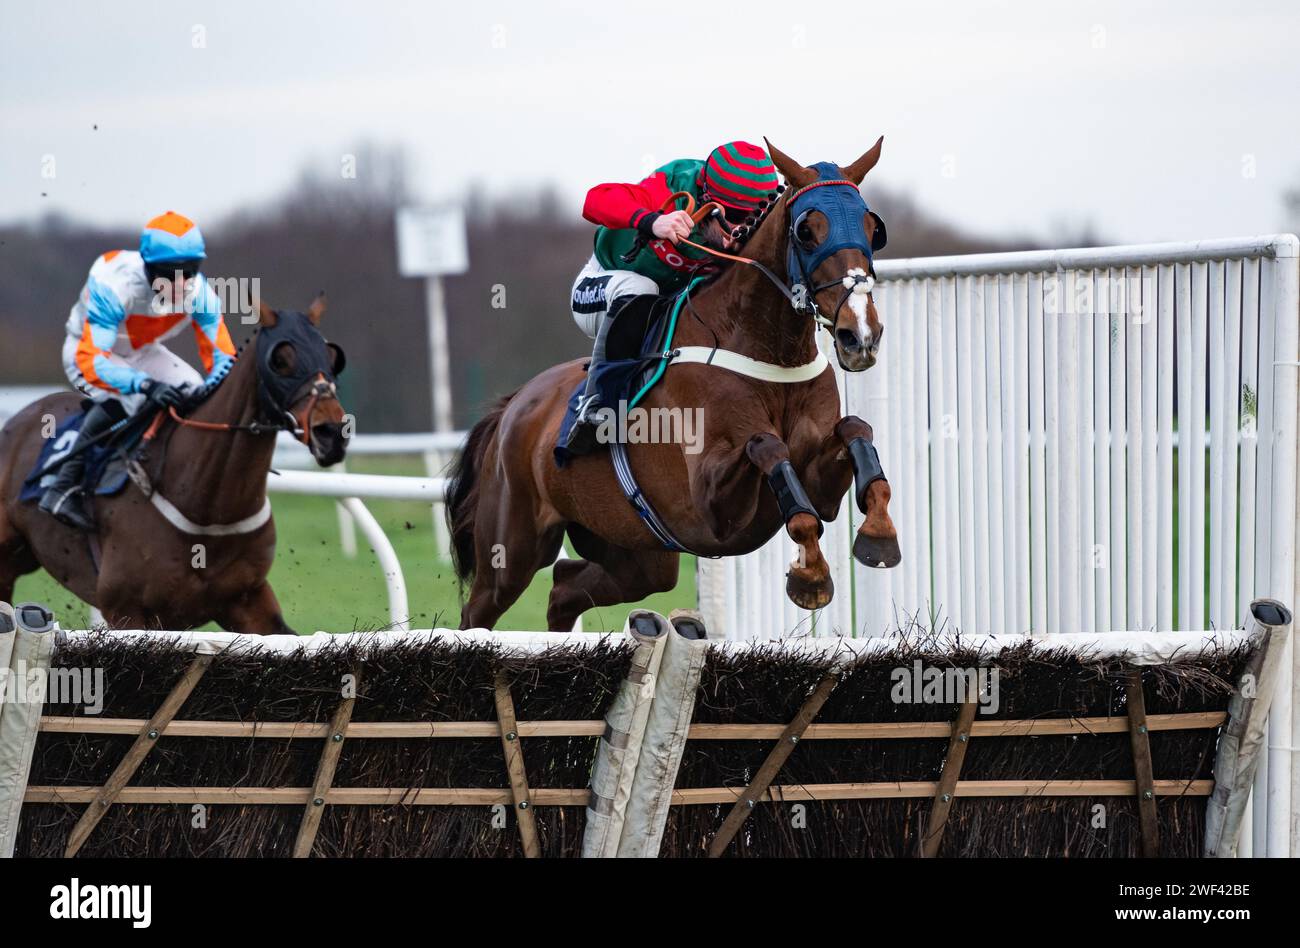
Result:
[[669, 256], [134, 902], [589, 295]]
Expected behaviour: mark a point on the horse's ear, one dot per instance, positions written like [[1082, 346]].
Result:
[[265, 315], [858, 170], [795, 174], [317, 308]]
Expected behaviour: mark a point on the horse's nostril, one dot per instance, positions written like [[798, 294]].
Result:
[[327, 443], [328, 436], [848, 340]]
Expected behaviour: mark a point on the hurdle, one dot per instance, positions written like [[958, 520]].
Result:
[[637, 744]]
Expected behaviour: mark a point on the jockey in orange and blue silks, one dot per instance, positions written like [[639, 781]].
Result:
[[131, 303]]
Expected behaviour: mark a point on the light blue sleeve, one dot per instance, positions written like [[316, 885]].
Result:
[[105, 314], [215, 347]]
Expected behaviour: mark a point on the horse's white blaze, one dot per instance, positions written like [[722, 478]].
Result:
[[860, 285], [858, 303]]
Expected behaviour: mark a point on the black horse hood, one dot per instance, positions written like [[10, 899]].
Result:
[[312, 356]]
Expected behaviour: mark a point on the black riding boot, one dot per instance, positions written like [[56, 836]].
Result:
[[65, 499], [582, 436]]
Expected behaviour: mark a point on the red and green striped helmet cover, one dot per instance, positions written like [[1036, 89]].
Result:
[[739, 175]]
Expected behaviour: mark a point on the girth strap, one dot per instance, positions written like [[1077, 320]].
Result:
[[632, 491]]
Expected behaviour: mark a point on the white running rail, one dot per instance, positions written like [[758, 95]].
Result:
[[1035, 415], [349, 489]]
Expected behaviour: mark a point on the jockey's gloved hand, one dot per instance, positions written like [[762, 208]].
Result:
[[673, 226], [162, 394]]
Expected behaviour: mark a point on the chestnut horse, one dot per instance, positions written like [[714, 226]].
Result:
[[200, 548], [509, 505]]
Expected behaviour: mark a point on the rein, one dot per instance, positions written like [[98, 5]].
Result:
[[321, 388], [713, 208], [856, 280]]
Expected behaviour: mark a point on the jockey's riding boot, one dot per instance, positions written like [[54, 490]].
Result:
[[65, 499], [582, 436]]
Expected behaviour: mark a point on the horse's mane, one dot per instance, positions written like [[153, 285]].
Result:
[[746, 231], [749, 227], [199, 398]]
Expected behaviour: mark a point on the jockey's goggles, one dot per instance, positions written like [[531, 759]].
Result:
[[167, 269]]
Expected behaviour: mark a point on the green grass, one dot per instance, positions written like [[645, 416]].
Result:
[[319, 588]]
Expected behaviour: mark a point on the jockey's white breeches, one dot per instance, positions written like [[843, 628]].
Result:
[[595, 288]]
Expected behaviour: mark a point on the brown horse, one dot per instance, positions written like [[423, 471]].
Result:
[[200, 548], [510, 506]]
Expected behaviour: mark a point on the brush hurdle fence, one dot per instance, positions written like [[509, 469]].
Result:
[[656, 741]]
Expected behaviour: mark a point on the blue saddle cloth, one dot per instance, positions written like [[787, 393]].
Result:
[[635, 347], [105, 463]]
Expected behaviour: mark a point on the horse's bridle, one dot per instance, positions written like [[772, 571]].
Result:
[[843, 211], [313, 378], [321, 388]]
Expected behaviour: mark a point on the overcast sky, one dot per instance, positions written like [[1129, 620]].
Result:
[[1151, 122]]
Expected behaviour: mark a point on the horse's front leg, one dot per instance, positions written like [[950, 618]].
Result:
[[256, 612], [808, 583], [847, 456]]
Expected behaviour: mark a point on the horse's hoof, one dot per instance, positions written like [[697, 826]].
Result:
[[806, 591], [877, 552]]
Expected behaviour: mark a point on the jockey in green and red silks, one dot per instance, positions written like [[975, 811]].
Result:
[[113, 352], [739, 176]]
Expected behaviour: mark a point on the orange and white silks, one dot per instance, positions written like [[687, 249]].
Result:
[[119, 318]]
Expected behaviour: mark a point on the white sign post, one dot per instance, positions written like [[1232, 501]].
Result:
[[431, 244]]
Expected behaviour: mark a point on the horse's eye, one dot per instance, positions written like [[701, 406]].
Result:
[[806, 235], [283, 358]]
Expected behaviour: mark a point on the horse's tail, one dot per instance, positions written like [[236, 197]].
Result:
[[462, 492]]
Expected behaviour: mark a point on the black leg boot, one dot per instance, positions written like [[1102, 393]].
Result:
[[65, 499]]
